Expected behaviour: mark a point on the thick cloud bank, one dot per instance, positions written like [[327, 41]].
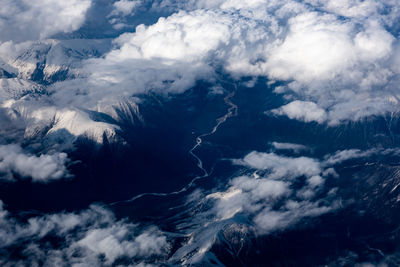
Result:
[[338, 64]]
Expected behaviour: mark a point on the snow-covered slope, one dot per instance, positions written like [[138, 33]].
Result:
[[26, 72], [79, 123], [50, 60], [15, 88]]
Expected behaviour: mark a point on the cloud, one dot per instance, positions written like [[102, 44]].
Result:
[[341, 65], [43, 168], [125, 7], [280, 192], [280, 166], [315, 52], [274, 194], [38, 19], [110, 242], [289, 146], [344, 155], [169, 56], [317, 46], [351, 8], [302, 110], [122, 9], [269, 220], [87, 237]]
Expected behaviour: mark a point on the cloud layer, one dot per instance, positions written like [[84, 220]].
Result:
[[92, 237], [336, 68], [274, 193]]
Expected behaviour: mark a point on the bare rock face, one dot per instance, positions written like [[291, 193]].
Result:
[[6, 74]]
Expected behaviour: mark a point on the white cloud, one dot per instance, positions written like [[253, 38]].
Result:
[[281, 166], [269, 198], [281, 192], [37, 19], [374, 43], [316, 47], [43, 168], [182, 36], [350, 8], [302, 110], [168, 56], [342, 65], [125, 7], [269, 220], [111, 242], [122, 10], [344, 155], [273, 199], [86, 236], [289, 146]]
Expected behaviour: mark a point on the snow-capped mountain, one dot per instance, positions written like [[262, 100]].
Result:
[[199, 133]]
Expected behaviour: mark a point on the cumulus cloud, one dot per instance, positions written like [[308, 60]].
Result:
[[110, 242], [87, 237], [351, 8], [43, 168], [272, 186], [168, 56], [280, 166], [37, 19], [310, 50], [302, 110], [341, 65], [336, 69], [269, 198]]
